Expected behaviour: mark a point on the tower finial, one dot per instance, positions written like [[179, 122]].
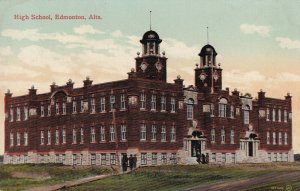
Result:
[[150, 20], [207, 35]]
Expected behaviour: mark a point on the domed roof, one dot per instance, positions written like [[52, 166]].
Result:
[[207, 50], [150, 36]]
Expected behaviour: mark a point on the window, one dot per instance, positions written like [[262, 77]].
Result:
[[49, 137], [64, 107], [173, 158], [246, 114], [102, 104], [123, 102], [112, 158], [103, 159], [42, 111], [279, 138], [25, 138], [268, 114], [275, 157], [212, 110], [163, 158], [223, 157], [163, 103], [11, 115], [274, 138], [269, 157], [81, 135], [112, 133], [231, 111], [213, 157], [213, 135], [25, 159], [173, 134], [190, 109], [63, 158], [153, 132], [268, 137], [42, 137], [11, 138], [279, 115], [25, 113], [102, 133], [274, 115], [56, 136], [74, 137], [93, 107], [153, 102], [57, 109], [123, 132], [93, 159], [112, 102], [18, 139], [222, 107], [232, 137], [64, 136], [154, 158], [285, 116], [93, 135], [81, 106], [143, 132], [18, 114], [74, 107], [285, 138], [143, 101], [163, 134], [49, 110], [222, 136], [233, 157], [173, 106], [143, 158]]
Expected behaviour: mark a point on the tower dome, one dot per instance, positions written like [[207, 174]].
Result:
[[150, 36], [208, 50]]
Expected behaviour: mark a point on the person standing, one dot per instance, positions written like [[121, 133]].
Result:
[[134, 161], [124, 162], [131, 162]]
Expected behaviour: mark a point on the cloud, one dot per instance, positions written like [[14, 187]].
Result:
[[87, 29], [236, 76], [117, 33], [263, 31], [287, 43], [178, 49], [5, 51]]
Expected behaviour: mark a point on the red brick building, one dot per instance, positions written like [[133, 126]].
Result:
[[160, 122]]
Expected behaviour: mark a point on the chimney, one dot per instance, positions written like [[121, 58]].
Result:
[[179, 81], [8, 94], [235, 93], [53, 86], [70, 84], [87, 82], [32, 91]]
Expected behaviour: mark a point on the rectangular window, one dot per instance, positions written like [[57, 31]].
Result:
[[103, 158], [143, 132], [269, 157], [285, 116], [268, 114], [153, 132], [81, 135], [42, 111], [123, 132], [163, 158], [275, 157], [285, 139], [173, 106], [49, 110], [57, 108], [143, 158], [74, 137], [42, 137], [81, 159], [49, 137], [173, 134], [233, 157], [56, 136], [213, 157], [143, 101], [163, 134], [112, 133], [63, 158], [18, 139], [25, 138], [189, 111], [11, 111], [112, 158], [222, 136], [93, 159], [222, 110], [212, 110], [74, 159], [93, 135], [64, 108], [102, 133], [173, 158], [112, 102], [246, 116], [154, 158], [274, 115], [122, 102], [64, 139], [74, 106], [11, 138], [223, 157], [279, 115], [153, 102], [274, 138], [213, 135], [232, 137], [279, 138], [81, 106], [18, 114], [25, 113], [231, 111], [102, 104], [268, 137], [163, 103], [93, 106]]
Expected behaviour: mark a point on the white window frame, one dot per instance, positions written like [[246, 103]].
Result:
[[164, 158], [81, 106], [42, 138], [81, 135], [232, 137], [123, 104], [25, 138], [93, 106], [268, 114], [232, 111], [64, 138], [49, 110], [103, 158], [56, 136], [213, 135], [246, 115], [143, 158], [64, 107], [123, 132], [223, 134], [173, 105], [42, 111], [173, 134], [18, 114], [112, 137], [285, 116], [153, 102], [163, 133], [280, 138], [56, 108], [11, 111], [93, 135], [25, 113], [222, 107], [279, 115], [112, 102], [143, 101], [49, 137], [274, 138], [102, 133], [268, 138], [102, 104], [273, 115], [143, 132], [163, 103], [74, 106], [11, 138], [153, 132], [74, 136], [154, 159], [190, 110], [112, 158], [285, 138], [18, 139]]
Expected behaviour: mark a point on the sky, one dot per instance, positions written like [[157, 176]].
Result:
[[258, 44]]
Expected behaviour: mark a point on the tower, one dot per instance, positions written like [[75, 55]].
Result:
[[208, 77], [151, 65]]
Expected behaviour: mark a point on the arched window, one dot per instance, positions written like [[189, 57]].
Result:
[[246, 114], [222, 107], [190, 109], [213, 135]]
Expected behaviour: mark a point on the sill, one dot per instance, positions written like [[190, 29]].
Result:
[[102, 141], [213, 142], [142, 109], [173, 112], [93, 112], [153, 140], [153, 110], [143, 140], [163, 141], [211, 115], [163, 111], [123, 141], [112, 141], [173, 141], [92, 142], [42, 116], [103, 112], [123, 110], [74, 143]]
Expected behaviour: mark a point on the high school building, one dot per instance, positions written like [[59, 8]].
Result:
[[160, 122]]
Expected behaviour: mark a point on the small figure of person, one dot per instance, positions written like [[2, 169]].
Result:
[[131, 162], [203, 159], [124, 162], [207, 158], [134, 161]]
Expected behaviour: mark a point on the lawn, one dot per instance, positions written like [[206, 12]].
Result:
[[20, 177]]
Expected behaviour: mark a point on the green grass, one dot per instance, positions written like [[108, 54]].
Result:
[[44, 174]]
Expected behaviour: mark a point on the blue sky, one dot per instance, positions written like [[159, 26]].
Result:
[[258, 43]]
